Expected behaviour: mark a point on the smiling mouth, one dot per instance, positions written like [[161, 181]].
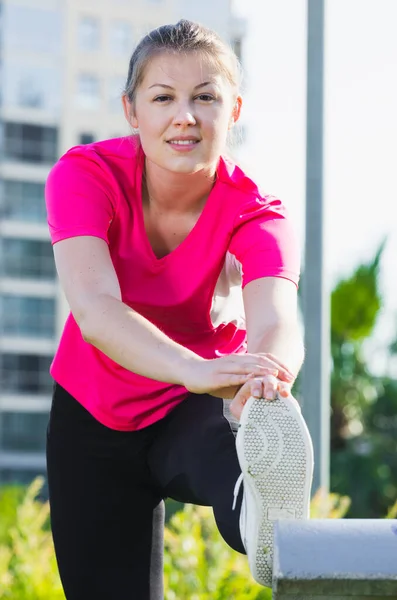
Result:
[[183, 142]]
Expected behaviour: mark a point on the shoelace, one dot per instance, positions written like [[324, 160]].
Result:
[[237, 489]]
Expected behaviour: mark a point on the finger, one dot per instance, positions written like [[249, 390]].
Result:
[[256, 386], [255, 368], [270, 386], [284, 389], [253, 387], [230, 379], [266, 362], [260, 359], [289, 375], [285, 375], [238, 403]]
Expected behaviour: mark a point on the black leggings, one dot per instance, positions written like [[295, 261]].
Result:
[[107, 489]]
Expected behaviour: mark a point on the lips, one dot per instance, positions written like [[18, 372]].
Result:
[[183, 140]]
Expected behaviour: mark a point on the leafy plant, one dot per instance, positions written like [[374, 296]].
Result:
[[27, 563], [392, 512], [364, 406], [198, 565], [10, 498], [328, 506], [355, 306]]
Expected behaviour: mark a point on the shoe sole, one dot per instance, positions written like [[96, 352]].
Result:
[[275, 452]]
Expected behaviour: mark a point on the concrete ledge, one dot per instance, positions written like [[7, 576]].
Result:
[[335, 559]]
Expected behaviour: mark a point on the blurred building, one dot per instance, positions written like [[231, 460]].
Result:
[[63, 65]]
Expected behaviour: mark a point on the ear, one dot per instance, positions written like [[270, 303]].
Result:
[[236, 111], [129, 112]]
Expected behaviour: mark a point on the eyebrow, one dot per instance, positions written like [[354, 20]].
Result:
[[169, 87]]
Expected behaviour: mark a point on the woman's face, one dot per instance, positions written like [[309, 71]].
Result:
[[183, 109]]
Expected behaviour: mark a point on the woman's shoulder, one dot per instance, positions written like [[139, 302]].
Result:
[[108, 162], [244, 189], [114, 150]]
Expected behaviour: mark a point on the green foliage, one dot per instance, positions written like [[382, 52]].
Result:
[[392, 512], [328, 506], [355, 303], [367, 469], [199, 565], [364, 407], [27, 562], [355, 306], [10, 497]]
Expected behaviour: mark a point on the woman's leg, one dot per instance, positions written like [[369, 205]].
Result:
[[107, 520], [194, 460]]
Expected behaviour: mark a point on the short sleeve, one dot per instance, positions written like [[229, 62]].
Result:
[[264, 241], [79, 197]]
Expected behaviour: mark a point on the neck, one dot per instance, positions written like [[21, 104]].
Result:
[[179, 192]]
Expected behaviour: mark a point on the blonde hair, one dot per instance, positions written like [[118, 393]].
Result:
[[184, 36]]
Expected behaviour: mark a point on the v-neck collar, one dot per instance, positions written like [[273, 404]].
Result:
[[189, 239]]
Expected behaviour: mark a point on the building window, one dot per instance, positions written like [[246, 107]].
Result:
[[88, 91], [26, 374], [24, 258], [27, 316], [86, 138], [23, 432], [30, 143], [32, 86], [22, 201], [29, 93], [120, 38], [88, 34]]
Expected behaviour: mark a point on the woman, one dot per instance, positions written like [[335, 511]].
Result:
[[182, 283]]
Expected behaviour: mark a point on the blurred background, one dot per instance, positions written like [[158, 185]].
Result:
[[63, 65]]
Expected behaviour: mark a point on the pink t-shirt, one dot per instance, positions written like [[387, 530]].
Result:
[[194, 294]]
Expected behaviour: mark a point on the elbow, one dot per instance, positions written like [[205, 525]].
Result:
[[86, 317], [95, 318], [85, 325], [87, 334]]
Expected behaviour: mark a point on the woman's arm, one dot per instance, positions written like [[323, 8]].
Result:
[[273, 331], [92, 290], [273, 328]]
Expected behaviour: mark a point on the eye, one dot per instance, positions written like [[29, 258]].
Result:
[[161, 99], [205, 97]]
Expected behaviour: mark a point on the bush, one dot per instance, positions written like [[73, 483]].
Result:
[[328, 506], [27, 562], [198, 565], [11, 497]]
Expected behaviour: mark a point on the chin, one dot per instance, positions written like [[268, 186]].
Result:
[[186, 167]]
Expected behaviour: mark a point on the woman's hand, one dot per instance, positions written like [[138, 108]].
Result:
[[284, 373], [265, 387], [207, 376]]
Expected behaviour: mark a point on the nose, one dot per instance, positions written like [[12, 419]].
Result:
[[184, 116]]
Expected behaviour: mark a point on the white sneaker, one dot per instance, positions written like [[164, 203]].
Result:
[[275, 452]]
